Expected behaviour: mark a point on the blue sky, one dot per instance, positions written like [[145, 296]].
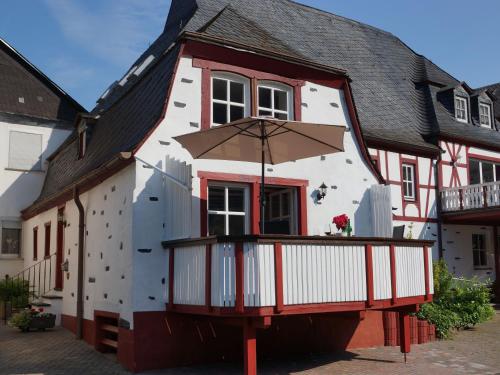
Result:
[[84, 45]]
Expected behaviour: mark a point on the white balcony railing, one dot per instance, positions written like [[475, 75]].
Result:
[[471, 197], [288, 273]]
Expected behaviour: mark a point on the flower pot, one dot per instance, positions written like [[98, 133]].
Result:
[[41, 323]]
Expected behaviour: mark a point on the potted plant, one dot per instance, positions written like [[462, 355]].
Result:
[[343, 224], [35, 319]]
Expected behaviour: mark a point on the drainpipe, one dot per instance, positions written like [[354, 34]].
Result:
[[438, 206], [81, 238]]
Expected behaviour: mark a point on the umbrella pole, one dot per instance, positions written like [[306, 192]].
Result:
[[262, 182]]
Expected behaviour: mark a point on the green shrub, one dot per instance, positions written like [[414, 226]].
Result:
[[21, 320], [15, 291], [458, 303]]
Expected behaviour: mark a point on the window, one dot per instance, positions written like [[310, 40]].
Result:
[[479, 251], [25, 151], [280, 211], [482, 172], [275, 100], [461, 109], [11, 237], [35, 243], [409, 184], [47, 240], [227, 210], [230, 98], [485, 115]]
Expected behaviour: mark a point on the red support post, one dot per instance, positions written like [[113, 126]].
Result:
[[392, 254], [426, 273], [369, 275], [404, 332], [171, 278], [208, 277], [496, 235], [249, 348], [240, 277], [461, 196], [278, 276]]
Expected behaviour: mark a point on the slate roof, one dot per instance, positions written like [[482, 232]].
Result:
[[26, 92], [394, 88], [495, 90]]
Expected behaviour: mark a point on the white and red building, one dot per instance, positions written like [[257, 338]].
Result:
[[163, 259]]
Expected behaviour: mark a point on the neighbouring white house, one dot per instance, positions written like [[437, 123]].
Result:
[[36, 116]]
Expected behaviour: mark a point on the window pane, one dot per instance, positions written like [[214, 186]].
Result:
[[285, 204], [281, 116], [236, 225], [220, 89], [497, 170], [265, 97], [216, 199], [216, 225], [475, 177], [25, 151], [220, 113], [405, 174], [237, 113], [482, 258], [11, 239], [487, 172], [265, 113], [280, 100], [237, 92], [236, 200], [275, 206], [475, 254]]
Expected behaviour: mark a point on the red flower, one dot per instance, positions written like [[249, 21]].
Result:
[[40, 309], [341, 221], [33, 310]]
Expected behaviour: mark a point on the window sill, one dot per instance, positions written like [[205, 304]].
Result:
[[25, 170], [483, 269], [10, 257]]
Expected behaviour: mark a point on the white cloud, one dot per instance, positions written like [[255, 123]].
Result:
[[116, 31]]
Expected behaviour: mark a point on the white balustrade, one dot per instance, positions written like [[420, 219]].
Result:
[[471, 197]]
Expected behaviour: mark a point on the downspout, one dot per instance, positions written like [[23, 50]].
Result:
[[81, 238], [437, 184]]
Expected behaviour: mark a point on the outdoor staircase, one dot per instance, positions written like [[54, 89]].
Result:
[[107, 334]]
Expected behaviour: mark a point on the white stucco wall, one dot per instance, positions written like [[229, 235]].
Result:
[[108, 274], [19, 189], [346, 175]]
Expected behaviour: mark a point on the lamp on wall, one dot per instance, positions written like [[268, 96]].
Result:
[[322, 190]]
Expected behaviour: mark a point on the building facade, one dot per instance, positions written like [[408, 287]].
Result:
[[35, 118]]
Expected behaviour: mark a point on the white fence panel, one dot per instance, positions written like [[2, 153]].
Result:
[[189, 275], [323, 274], [381, 273], [431, 270], [223, 275], [259, 275], [410, 273]]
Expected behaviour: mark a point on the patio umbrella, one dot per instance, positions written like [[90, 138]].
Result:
[[266, 141]]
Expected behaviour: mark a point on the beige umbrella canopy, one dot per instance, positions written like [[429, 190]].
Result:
[[265, 141]]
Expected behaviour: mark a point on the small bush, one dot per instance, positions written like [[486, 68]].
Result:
[[21, 320], [458, 303], [15, 291]]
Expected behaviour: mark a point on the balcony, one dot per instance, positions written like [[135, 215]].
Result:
[[263, 276], [472, 204]]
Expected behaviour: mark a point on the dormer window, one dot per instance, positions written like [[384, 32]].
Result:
[[275, 100], [461, 111], [485, 115], [230, 98], [82, 140]]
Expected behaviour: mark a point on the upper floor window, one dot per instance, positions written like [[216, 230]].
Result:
[[409, 182], [275, 100], [482, 172], [25, 151], [11, 237], [485, 115], [461, 113], [230, 98]]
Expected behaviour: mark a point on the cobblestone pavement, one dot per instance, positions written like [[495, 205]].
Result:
[[56, 352]]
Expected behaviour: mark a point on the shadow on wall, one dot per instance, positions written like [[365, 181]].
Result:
[[363, 217]]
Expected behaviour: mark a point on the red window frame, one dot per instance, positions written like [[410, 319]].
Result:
[[47, 240], [254, 183], [413, 162], [35, 243], [254, 76]]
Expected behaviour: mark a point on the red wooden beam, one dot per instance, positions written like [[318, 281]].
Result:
[[426, 272], [392, 254], [240, 285], [171, 278], [250, 348], [404, 332], [278, 276], [208, 277], [369, 275]]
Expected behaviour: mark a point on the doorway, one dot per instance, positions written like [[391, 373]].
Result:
[[281, 210]]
